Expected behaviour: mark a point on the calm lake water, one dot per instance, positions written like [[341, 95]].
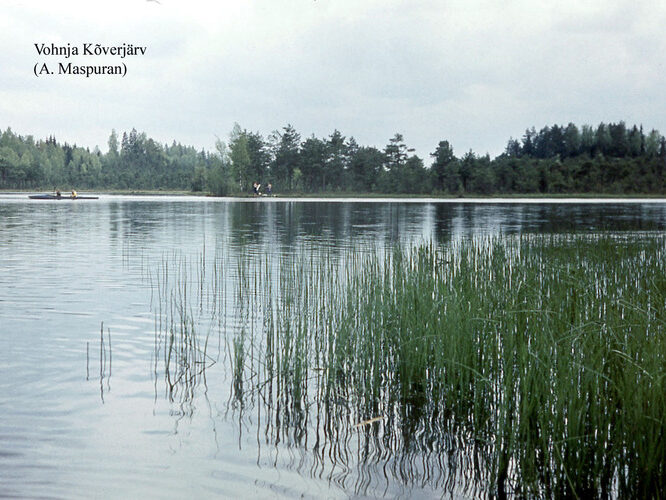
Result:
[[98, 412]]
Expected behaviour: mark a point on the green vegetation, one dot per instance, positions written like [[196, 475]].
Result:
[[608, 159], [180, 351], [531, 365]]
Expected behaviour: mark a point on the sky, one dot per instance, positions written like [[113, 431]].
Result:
[[471, 72]]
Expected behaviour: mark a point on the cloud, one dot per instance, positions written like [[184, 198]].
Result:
[[471, 72]]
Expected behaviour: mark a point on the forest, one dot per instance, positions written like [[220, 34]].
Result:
[[607, 159]]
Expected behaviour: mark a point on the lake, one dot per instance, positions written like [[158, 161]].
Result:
[[95, 400]]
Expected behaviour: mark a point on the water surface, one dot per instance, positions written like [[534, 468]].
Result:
[[87, 411]]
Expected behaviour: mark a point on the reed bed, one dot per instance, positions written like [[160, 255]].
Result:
[[508, 366], [548, 351]]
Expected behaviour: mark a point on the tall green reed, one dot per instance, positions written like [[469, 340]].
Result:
[[547, 352], [530, 365]]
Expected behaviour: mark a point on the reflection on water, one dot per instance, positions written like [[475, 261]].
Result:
[[105, 362], [191, 392]]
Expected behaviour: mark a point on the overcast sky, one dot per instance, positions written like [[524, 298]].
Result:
[[471, 72]]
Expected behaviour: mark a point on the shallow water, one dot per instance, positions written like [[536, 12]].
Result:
[[86, 411]]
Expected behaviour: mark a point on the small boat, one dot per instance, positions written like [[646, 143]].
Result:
[[61, 197]]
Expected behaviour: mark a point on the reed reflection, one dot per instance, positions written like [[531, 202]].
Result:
[[105, 354]]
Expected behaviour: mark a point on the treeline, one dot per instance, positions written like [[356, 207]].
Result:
[[133, 162], [611, 158]]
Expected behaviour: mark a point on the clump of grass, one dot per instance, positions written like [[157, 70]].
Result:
[[530, 366], [548, 351]]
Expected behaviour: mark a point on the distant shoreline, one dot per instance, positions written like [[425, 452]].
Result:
[[368, 196]]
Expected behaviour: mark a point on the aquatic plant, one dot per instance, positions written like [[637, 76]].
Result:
[[182, 350], [529, 366]]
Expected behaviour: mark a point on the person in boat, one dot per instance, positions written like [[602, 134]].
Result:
[[58, 194], [256, 186], [74, 194], [269, 189]]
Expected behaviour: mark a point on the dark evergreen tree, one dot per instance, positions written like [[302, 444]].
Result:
[[467, 166], [286, 156], [395, 153], [442, 168], [604, 141], [366, 166], [336, 159], [529, 139], [571, 141], [619, 143], [513, 148], [313, 161], [635, 142], [259, 158]]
